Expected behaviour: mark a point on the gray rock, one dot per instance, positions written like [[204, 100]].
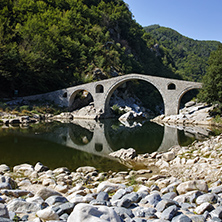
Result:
[[152, 199], [163, 204], [102, 196], [123, 212], [4, 168], [217, 190], [208, 197], [144, 212], [61, 170], [47, 214], [138, 220], [5, 186], [35, 199], [16, 193], [22, 167], [142, 194], [217, 212], [107, 186], [3, 219], [125, 154], [19, 206], [82, 199], [128, 200], [169, 213], [100, 202], [55, 200], [85, 169], [189, 104], [64, 217], [6, 179], [192, 185], [215, 219], [186, 206], [25, 218], [181, 218], [39, 167], [193, 195], [169, 195], [197, 218], [44, 193], [119, 194], [64, 208], [87, 213], [4, 211], [204, 207], [154, 187], [168, 156]]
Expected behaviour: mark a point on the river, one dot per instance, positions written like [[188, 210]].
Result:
[[80, 143]]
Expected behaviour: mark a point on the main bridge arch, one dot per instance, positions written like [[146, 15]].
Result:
[[171, 91], [123, 80]]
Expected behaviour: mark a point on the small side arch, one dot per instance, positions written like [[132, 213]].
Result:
[[99, 89], [171, 86]]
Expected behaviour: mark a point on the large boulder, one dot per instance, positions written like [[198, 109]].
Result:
[[88, 213], [47, 214], [131, 115], [22, 206], [125, 154], [192, 185], [4, 211], [44, 193]]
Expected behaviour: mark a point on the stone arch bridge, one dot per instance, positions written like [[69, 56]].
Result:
[[171, 91]]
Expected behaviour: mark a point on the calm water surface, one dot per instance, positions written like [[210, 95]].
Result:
[[82, 143]]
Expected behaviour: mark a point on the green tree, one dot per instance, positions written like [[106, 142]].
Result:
[[212, 81]]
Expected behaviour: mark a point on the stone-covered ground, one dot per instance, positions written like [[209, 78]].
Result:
[[183, 184]]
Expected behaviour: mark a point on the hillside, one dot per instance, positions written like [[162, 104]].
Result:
[[47, 45], [188, 56]]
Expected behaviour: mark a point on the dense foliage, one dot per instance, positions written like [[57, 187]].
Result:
[[51, 44], [212, 87], [189, 56]]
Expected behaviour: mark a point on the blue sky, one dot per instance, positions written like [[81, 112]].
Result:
[[196, 19]]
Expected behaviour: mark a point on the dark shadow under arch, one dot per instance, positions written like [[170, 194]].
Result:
[[171, 86], [186, 97], [143, 89], [99, 88], [79, 99]]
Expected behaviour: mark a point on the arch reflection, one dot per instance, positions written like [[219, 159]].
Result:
[[103, 138], [79, 135]]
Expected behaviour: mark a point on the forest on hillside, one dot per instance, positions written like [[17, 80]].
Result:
[[51, 44], [189, 56]]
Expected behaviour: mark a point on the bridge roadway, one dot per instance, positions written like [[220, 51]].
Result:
[[171, 91]]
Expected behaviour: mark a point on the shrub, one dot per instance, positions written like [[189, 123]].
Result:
[[116, 109]]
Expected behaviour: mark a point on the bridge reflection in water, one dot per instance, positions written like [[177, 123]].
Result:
[[103, 138]]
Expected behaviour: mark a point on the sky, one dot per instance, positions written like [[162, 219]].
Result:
[[196, 19]]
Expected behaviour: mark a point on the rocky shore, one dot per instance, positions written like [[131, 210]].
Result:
[[183, 184], [192, 114]]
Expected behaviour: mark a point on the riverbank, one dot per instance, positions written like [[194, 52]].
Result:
[[183, 184], [192, 114]]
